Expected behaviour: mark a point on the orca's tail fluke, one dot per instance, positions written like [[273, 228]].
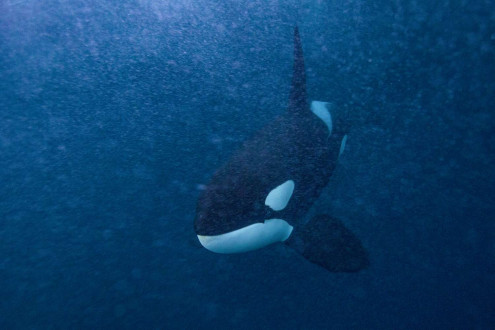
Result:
[[326, 242], [298, 97]]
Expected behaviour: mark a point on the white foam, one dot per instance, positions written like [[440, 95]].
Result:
[[320, 109], [249, 238], [278, 198]]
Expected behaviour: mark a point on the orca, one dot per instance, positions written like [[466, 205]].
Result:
[[261, 195]]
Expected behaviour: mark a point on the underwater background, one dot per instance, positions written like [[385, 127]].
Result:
[[114, 114]]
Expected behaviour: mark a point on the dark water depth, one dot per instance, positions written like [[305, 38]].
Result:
[[113, 114]]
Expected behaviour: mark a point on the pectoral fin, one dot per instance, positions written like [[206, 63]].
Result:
[[326, 242]]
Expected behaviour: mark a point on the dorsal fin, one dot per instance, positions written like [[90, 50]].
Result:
[[297, 98]]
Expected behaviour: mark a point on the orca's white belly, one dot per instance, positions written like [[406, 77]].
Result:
[[249, 238]]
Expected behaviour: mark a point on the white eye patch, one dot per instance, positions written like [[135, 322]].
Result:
[[320, 109], [279, 197]]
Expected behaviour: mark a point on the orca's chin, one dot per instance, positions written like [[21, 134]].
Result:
[[248, 238]]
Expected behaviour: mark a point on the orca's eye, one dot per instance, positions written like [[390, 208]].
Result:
[[278, 198], [257, 205]]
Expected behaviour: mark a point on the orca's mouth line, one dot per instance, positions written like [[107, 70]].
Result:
[[248, 238]]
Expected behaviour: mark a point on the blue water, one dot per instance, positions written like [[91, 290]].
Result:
[[113, 114]]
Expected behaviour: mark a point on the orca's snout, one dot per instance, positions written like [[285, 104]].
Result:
[[249, 238]]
